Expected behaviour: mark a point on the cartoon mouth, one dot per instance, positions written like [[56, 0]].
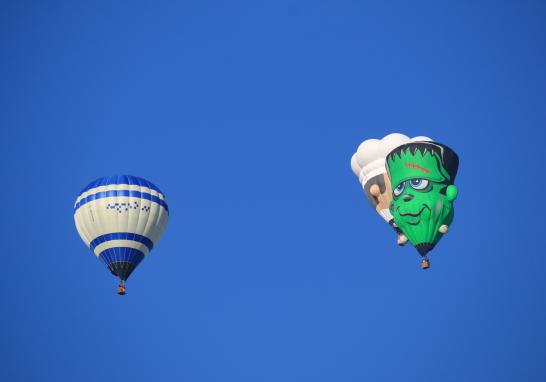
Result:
[[412, 214]]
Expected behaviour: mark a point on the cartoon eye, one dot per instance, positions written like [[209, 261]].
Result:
[[399, 189], [419, 184]]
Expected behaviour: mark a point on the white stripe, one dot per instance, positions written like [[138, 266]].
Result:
[[120, 187], [121, 243], [385, 214]]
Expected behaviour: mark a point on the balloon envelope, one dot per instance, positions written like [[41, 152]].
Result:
[[422, 176], [121, 218]]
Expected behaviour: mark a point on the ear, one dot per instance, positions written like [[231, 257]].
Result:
[[375, 190], [452, 192]]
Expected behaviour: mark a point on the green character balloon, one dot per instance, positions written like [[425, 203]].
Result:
[[422, 176]]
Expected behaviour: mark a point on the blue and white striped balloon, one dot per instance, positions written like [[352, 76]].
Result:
[[121, 218]]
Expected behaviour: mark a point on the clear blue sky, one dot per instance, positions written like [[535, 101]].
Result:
[[273, 267]]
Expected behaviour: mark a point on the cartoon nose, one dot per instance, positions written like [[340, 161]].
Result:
[[407, 197]]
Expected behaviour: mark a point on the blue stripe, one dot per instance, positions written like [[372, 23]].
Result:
[[121, 254], [121, 179], [134, 194], [121, 236]]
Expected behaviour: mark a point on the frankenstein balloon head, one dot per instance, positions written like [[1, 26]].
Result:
[[422, 176]]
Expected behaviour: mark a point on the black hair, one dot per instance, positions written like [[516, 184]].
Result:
[[450, 159]]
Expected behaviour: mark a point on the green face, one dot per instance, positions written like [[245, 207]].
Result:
[[422, 195]]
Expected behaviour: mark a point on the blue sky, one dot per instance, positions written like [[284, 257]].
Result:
[[273, 267]]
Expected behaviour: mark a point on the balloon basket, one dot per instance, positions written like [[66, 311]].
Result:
[[121, 289], [425, 264]]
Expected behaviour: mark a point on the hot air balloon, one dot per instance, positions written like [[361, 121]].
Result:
[[422, 176], [368, 164], [121, 218]]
